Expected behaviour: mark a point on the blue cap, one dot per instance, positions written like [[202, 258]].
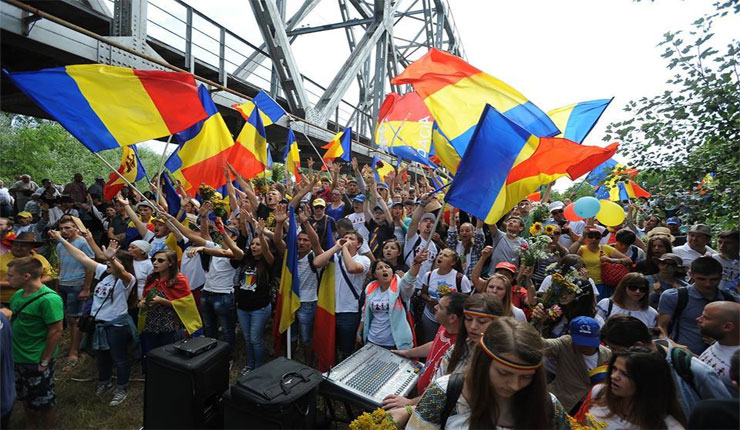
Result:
[[383, 185], [585, 332], [673, 220], [359, 198]]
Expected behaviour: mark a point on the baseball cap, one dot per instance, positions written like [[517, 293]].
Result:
[[585, 332], [556, 206], [668, 256], [397, 204], [25, 214], [359, 198], [319, 202], [143, 245], [428, 215], [161, 220], [673, 220], [383, 185], [701, 229], [144, 203], [506, 266]]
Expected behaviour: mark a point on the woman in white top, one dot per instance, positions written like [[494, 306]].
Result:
[[630, 298], [639, 393], [447, 277], [114, 328], [500, 286]]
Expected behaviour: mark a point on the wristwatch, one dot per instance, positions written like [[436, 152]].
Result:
[[44, 363]]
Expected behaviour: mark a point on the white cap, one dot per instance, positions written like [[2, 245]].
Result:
[[556, 205], [143, 245]]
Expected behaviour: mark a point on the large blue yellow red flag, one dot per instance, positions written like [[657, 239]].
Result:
[[442, 151], [292, 158], [324, 334], [381, 169], [623, 191], [249, 154], [577, 120], [289, 298], [131, 169], [456, 93], [339, 146], [510, 163], [105, 107], [202, 149], [404, 127], [270, 110]]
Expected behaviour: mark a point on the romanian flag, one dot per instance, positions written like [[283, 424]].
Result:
[[405, 127], [292, 158], [456, 93], [170, 195], [340, 146], [270, 110], [509, 163], [249, 155], [105, 107], [289, 298], [203, 149], [183, 303], [598, 374], [601, 173], [577, 120], [381, 169], [131, 169], [442, 150], [622, 191], [324, 325]]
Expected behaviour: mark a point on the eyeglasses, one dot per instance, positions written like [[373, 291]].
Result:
[[159, 260], [639, 288]]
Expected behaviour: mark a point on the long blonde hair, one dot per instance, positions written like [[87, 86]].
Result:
[[507, 297]]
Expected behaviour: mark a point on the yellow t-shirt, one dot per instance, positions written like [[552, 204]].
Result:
[[7, 292], [592, 260]]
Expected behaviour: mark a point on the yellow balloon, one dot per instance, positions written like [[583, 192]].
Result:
[[610, 213]]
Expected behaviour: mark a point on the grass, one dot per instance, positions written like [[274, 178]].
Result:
[[79, 408]]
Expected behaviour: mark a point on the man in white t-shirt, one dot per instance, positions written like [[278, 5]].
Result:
[[358, 217], [696, 244], [350, 269], [728, 243], [417, 236], [721, 321]]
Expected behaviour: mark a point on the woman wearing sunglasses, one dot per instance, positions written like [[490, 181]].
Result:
[[630, 298], [593, 254]]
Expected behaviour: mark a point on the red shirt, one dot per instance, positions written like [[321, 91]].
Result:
[[441, 343]]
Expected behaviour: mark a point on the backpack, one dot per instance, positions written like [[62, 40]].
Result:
[[316, 271], [683, 300], [413, 249], [458, 280]]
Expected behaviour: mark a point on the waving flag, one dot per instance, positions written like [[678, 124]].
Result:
[[577, 120], [404, 127], [170, 195], [292, 158], [289, 299], [270, 110], [381, 169], [203, 149], [131, 169], [622, 191], [442, 151], [456, 93], [249, 154], [340, 146], [105, 107], [324, 325], [510, 163], [601, 172]]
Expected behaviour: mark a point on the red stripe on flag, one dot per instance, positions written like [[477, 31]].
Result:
[[208, 171], [434, 71], [176, 96], [324, 338], [244, 162]]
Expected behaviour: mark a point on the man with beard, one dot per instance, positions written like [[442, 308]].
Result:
[[721, 322]]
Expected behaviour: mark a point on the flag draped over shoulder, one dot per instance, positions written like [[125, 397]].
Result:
[[456, 93], [183, 303], [249, 154], [404, 127], [510, 163], [577, 120], [340, 146], [105, 107], [324, 335], [202, 149], [131, 169], [270, 110], [292, 158]]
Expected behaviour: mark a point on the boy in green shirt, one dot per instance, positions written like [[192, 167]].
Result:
[[37, 328]]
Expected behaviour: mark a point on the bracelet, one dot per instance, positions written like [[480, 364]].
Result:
[[409, 409]]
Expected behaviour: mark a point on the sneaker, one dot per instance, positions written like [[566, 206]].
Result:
[[103, 388], [118, 397], [244, 371]]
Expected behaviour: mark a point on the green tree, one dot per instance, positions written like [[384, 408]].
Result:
[[693, 128]]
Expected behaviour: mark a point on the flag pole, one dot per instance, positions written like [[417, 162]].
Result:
[[288, 336], [317, 151], [161, 167], [132, 186]]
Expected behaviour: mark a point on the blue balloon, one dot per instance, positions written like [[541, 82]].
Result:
[[586, 207]]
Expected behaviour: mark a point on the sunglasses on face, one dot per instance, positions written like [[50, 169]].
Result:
[[557, 212], [639, 288], [159, 260]]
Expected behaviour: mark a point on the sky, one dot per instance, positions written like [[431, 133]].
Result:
[[554, 52]]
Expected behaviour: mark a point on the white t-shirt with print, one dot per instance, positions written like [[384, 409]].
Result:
[[409, 254], [119, 304], [718, 358], [158, 243], [220, 277], [345, 300], [380, 325], [448, 281], [358, 223]]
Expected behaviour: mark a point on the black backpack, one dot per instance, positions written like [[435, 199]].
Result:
[[683, 300]]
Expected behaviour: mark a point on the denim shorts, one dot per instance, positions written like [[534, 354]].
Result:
[[34, 387], [73, 306], [305, 316]]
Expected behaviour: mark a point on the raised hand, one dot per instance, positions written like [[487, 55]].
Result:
[[124, 201], [421, 256], [260, 227], [110, 250], [55, 235], [486, 252], [280, 214]]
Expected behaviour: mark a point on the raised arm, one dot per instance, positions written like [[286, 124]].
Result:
[[140, 226], [322, 259], [358, 176], [478, 282], [260, 232], [94, 246], [245, 185], [77, 254], [280, 217], [115, 266], [182, 230], [416, 217], [308, 185]]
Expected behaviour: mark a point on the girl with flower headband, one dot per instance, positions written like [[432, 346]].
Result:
[[504, 386], [478, 313]]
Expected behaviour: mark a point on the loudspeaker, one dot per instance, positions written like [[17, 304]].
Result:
[[183, 391]]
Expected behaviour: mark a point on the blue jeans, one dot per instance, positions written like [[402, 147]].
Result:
[[217, 308], [117, 355], [347, 323], [253, 327], [73, 306], [304, 321]]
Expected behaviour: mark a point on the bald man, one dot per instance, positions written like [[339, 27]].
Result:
[[720, 321]]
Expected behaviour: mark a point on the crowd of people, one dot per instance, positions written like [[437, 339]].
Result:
[[628, 326]]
